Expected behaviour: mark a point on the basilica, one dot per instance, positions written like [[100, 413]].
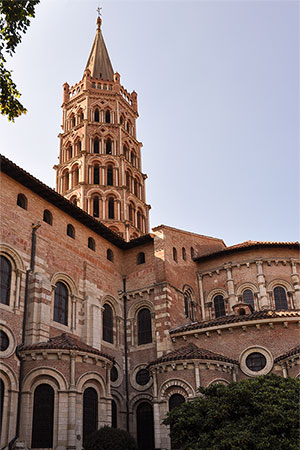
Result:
[[106, 323]]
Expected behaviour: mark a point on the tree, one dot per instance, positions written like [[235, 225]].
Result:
[[14, 20], [259, 413], [107, 438]]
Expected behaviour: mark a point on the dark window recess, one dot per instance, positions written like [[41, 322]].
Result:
[[108, 147], [114, 415], [5, 273], [256, 361], [107, 116], [114, 374], [110, 176], [96, 145], [192, 252], [219, 306], [186, 306], [96, 174], [280, 298], [91, 243], [111, 208], [183, 254], [144, 327], [96, 207], [145, 426], [174, 401], [96, 115], [141, 258], [248, 297], [90, 412], [110, 255], [42, 423], [139, 220], [108, 334], [1, 401], [71, 231], [61, 304], [174, 254], [47, 217], [142, 377], [22, 201], [4, 341]]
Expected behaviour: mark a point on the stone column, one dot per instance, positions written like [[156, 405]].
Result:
[[296, 284], [201, 294], [197, 377], [263, 299], [71, 444], [232, 300]]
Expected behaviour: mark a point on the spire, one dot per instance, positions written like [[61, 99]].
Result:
[[99, 63]]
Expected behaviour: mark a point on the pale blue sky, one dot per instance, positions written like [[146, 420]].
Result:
[[218, 86]]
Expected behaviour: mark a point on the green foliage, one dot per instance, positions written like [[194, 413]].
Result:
[[254, 414], [107, 438], [14, 20]]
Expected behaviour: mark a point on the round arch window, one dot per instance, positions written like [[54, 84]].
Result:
[[114, 374], [4, 341], [142, 377], [256, 361]]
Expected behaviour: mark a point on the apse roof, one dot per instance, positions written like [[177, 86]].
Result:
[[292, 352], [99, 62]]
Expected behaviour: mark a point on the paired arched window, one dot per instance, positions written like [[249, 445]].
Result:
[[145, 426], [110, 175], [248, 297], [22, 201], [5, 273], [280, 298], [96, 174], [174, 254], [71, 231], [219, 306], [96, 145], [144, 326], [91, 243], [90, 412], [108, 146], [96, 206], [107, 322], [110, 255], [140, 259], [47, 217], [96, 115], [61, 295], [43, 413], [111, 208], [107, 116]]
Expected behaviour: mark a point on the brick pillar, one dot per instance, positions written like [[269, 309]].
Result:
[[232, 300], [296, 284]]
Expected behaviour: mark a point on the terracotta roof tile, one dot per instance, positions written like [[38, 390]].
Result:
[[265, 314], [65, 342], [191, 351], [292, 352]]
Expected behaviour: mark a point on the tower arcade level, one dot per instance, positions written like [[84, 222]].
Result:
[[99, 166]]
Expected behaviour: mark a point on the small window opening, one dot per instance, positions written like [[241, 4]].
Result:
[[183, 254], [96, 206], [107, 116], [174, 254], [110, 176], [111, 208], [108, 146], [110, 255], [96, 174], [91, 243], [71, 231], [47, 217], [96, 115], [22, 201], [141, 258], [96, 145]]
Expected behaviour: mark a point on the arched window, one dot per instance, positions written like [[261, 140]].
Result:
[[186, 305], [108, 146], [73, 121], [96, 115], [135, 184], [175, 400], [77, 147], [174, 254], [139, 220], [71, 231], [66, 180], [121, 120], [47, 217], [69, 152], [96, 174], [145, 426], [96, 206], [5, 272], [248, 297], [144, 327], [110, 176], [111, 208], [96, 145], [219, 306], [131, 212], [90, 412], [42, 421], [114, 414], [280, 298], [107, 116], [110, 255], [107, 322], [125, 151], [76, 176], [140, 259], [183, 253], [22, 201], [74, 200], [61, 303], [128, 180], [132, 157], [91, 243]]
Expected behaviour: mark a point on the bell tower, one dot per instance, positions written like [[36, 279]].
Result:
[[99, 166]]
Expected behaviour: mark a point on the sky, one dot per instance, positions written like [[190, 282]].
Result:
[[218, 95]]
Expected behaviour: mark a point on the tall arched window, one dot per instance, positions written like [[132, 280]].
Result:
[[219, 306], [47, 216], [174, 401], [139, 220], [42, 421], [71, 231], [248, 297], [128, 180], [96, 174], [90, 412], [66, 180], [61, 303], [5, 273], [280, 298], [145, 426], [96, 206], [96, 145], [76, 176], [69, 152], [110, 255], [96, 115], [108, 146], [107, 116], [110, 176], [114, 414], [91, 243], [186, 305], [22, 201], [144, 327], [107, 322], [111, 208], [174, 254], [135, 185], [131, 212], [183, 254]]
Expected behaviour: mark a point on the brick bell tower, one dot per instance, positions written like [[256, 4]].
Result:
[[99, 166]]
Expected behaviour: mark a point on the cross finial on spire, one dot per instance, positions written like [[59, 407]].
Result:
[[99, 11], [99, 21]]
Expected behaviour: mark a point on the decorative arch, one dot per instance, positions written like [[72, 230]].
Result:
[[175, 386], [133, 403], [245, 286], [65, 278], [134, 309], [218, 381], [113, 303], [216, 291], [13, 256], [279, 282], [92, 379], [41, 375], [8, 377]]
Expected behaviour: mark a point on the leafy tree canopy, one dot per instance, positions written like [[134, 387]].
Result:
[[107, 438], [14, 20], [255, 414]]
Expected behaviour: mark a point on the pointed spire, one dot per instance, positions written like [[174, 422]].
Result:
[[99, 63]]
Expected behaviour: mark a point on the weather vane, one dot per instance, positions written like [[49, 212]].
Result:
[[99, 11]]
